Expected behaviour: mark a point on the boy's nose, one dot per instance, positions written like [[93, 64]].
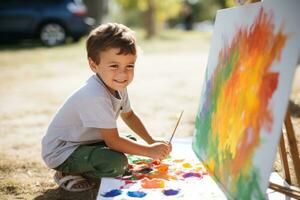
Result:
[[123, 71], [122, 74]]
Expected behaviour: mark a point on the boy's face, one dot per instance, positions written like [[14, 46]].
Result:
[[116, 71]]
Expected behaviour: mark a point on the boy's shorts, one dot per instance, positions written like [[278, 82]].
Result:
[[95, 161]]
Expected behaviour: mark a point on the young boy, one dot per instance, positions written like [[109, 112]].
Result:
[[82, 141]]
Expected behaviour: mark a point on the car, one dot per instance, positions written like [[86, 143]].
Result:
[[52, 21]]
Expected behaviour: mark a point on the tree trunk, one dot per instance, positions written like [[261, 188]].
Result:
[[96, 9], [150, 19]]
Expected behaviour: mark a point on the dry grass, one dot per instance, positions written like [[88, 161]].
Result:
[[25, 179]]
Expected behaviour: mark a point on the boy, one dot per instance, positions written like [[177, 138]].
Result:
[[82, 141]]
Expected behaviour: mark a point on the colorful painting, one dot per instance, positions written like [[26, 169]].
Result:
[[248, 79], [154, 179]]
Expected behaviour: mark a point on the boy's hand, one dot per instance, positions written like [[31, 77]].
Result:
[[166, 142], [160, 150]]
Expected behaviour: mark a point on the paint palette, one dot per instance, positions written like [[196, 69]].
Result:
[[153, 179]]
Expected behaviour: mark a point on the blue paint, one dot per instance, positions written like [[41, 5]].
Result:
[[170, 192], [138, 194], [112, 193]]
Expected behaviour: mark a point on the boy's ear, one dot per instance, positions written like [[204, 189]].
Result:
[[92, 64]]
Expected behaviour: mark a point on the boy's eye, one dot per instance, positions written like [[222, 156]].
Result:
[[130, 66], [114, 66]]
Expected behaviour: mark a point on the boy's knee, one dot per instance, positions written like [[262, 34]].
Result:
[[120, 164], [115, 164]]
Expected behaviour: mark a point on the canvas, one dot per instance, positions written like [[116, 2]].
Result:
[[248, 79]]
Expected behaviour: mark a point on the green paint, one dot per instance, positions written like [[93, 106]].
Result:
[[248, 187], [133, 159]]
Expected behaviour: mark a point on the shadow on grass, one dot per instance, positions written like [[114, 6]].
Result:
[[17, 44], [21, 44], [60, 194]]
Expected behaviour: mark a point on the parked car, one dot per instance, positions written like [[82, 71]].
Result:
[[52, 21]]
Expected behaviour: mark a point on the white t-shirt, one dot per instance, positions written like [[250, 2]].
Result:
[[78, 121]]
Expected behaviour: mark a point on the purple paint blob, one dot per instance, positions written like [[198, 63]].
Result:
[[112, 193], [138, 194], [191, 174], [170, 192]]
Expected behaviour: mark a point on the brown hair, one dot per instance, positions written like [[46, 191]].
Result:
[[110, 35]]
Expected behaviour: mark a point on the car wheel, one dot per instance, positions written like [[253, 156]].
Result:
[[52, 34]]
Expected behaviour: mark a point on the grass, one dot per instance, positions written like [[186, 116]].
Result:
[[23, 179], [175, 41], [34, 55], [37, 56], [15, 176]]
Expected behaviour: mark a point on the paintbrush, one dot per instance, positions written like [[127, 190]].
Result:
[[176, 127]]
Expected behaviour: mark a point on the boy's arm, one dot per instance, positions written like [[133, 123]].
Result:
[[135, 124], [112, 139]]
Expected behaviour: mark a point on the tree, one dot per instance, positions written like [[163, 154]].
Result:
[[206, 9], [96, 9], [150, 19], [151, 14]]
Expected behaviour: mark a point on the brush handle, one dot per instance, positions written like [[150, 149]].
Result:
[[176, 127]]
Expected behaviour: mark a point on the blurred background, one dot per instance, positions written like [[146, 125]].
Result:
[[43, 60], [53, 21]]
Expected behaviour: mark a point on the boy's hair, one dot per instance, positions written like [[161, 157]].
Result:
[[110, 35]]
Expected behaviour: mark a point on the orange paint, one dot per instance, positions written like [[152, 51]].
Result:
[[152, 183], [163, 168]]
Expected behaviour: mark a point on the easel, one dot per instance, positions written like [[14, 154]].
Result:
[[292, 143]]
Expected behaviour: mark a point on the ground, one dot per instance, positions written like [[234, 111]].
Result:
[[34, 82]]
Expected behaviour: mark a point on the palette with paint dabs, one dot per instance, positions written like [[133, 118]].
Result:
[[153, 179]]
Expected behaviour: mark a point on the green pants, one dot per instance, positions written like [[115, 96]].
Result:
[[95, 161]]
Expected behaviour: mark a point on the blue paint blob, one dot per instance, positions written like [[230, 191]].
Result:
[[112, 193], [170, 192], [138, 194]]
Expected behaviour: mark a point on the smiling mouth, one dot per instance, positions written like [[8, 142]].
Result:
[[120, 81]]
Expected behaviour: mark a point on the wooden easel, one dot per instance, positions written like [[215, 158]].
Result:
[[292, 143]]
